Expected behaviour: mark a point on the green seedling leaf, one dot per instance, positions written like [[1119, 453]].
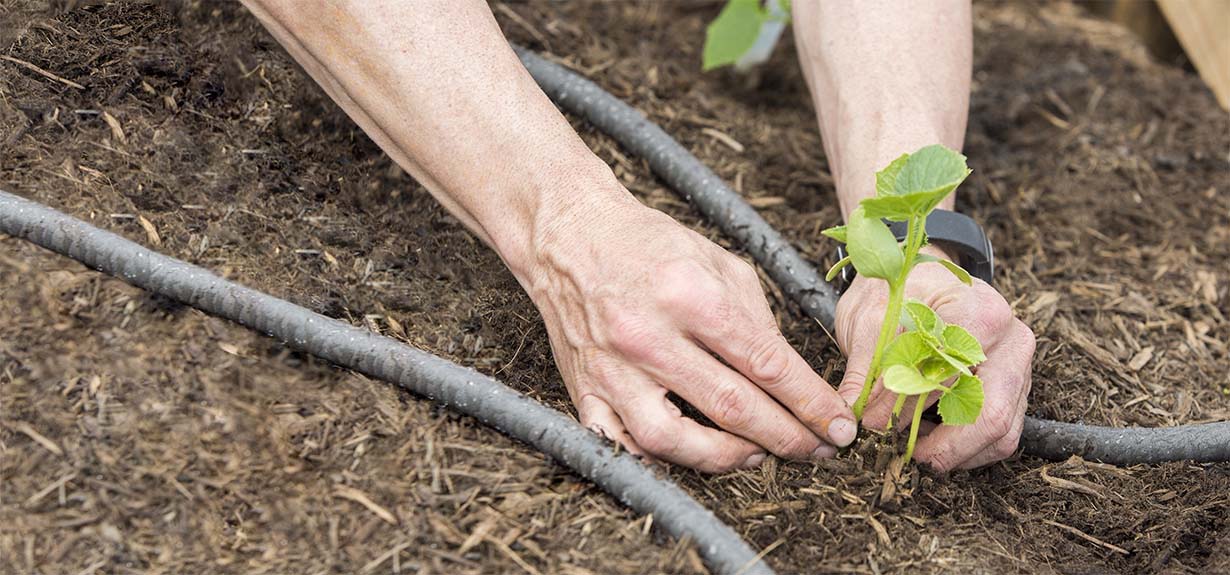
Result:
[[873, 249], [936, 369], [895, 208], [836, 232], [732, 33], [962, 345], [907, 349], [886, 179], [952, 267], [961, 404], [914, 184], [836, 269], [934, 167], [907, 380], [955, 362], [917, 316]]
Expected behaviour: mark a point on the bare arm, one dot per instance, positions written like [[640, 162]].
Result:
[[889, 77], [633, 302], [438, 88]]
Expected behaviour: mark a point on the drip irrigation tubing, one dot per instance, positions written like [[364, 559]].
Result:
[[459, 388], [799, 279]]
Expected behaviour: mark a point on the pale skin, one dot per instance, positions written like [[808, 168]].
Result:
[[634, 303]]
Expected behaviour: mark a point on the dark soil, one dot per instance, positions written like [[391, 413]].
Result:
[[138, 435]]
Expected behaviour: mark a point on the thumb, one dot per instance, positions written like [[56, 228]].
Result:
[[857, 363]]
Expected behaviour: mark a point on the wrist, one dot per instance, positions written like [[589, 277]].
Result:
[[552, 213]]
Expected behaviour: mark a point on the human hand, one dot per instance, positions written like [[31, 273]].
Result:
[[1007, 341], [637, 306]]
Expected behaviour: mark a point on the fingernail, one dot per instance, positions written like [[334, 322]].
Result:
[[600, 431], [842, 432], [825, 451], [754, 461]]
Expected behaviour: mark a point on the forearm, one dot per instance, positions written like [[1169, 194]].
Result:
[[435, 84], [887, 78]]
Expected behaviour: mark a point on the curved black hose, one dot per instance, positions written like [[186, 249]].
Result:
[[1127, 445], [800, 280], [447, 383]]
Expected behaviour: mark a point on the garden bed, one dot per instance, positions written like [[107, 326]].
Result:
[[178, 442]]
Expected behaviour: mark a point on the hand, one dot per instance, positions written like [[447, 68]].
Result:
[[1009, 346], [637, 306]]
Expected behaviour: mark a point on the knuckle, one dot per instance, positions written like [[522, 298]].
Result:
[[768, 359], [997, 420], [796, 446], [630, 333], [943, 461], [1006, 447], [681, 284], [727, 459], [730, 407], [656, 439], [745, 273]]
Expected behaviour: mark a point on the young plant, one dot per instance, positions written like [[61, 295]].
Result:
[[744, 33], [919, 361]]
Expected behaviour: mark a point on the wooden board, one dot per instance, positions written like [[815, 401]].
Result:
[[1203, 28]]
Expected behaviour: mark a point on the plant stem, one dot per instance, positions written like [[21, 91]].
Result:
[[892, 315], [892, 419], [918, 411]]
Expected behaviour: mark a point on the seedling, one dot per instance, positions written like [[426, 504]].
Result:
[[744, 33], [929, 353]]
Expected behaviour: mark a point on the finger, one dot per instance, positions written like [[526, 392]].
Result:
[[1002, 449], [663, 433], [1007, 445], [861, 348], [766, 359], [1005, 384], [980, 309], [738, 406], [598, 416]]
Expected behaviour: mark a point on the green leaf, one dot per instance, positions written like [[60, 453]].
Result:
[[836, 232], [914, 184], [906, 349], [873, 249], [962, 345], [895, 208], [732, 33], [917, 316], [930, 169], [952, 267], [836, 269], [886, 179], [957, 363], [962, 404], [936, 369], [907, 380]]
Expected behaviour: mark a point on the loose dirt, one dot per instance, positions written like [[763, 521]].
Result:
[[142, 436]]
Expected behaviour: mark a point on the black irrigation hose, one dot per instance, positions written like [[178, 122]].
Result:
[[447, 383], [1127, 445], [800, 280]]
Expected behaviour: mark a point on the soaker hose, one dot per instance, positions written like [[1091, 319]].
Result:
[[422, 373], [1208, 442]]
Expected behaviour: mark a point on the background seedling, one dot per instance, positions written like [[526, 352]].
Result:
[[744, 33], [929, 353]]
